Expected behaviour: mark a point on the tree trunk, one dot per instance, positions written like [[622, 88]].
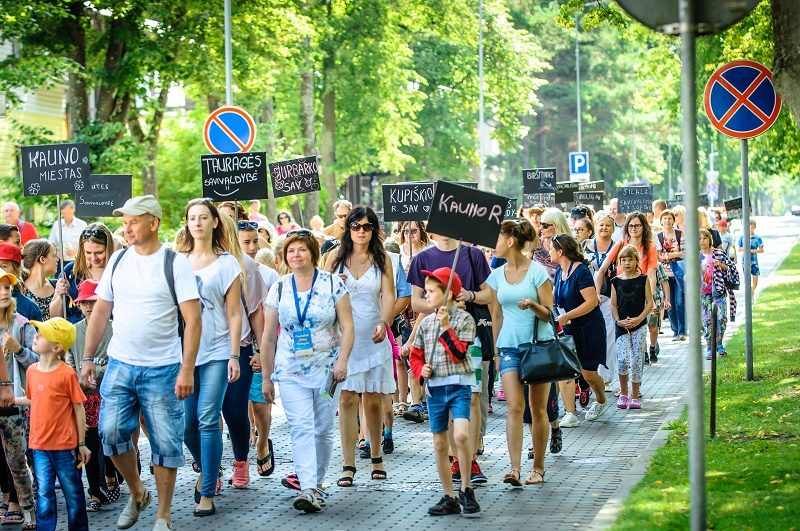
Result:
[[307, 123], [786, 59], [77, 96], [150, 139], [267, 112], [328, 140]]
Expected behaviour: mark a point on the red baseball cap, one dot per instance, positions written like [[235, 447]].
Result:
[[443, 275], [722, 223], [86, 291], [9, 251]]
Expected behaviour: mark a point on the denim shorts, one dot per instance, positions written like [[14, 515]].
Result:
[[128, 389], [446, 402], [510, 360], [256, 395]]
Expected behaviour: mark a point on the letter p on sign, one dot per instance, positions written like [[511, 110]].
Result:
[[579, 166]]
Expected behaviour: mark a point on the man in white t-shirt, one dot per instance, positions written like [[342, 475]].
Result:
[[71, 229], [146, 356]]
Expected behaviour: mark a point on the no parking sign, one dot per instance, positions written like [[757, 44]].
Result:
[[229, 129]]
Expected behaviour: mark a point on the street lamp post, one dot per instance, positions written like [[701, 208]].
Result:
[[578, 80], [481, 117]]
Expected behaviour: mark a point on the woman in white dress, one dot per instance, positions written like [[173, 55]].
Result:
[[367, 273]]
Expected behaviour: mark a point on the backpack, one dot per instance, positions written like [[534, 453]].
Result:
[[169, 274]]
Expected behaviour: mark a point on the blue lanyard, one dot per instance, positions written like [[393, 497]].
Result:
[[302, 317], [597, 257]]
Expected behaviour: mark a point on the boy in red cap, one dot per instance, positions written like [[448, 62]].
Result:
[[440, 355]]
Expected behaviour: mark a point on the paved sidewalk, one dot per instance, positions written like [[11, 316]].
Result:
[[598, 465]]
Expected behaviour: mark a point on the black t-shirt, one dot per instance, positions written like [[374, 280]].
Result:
[[630, 300]]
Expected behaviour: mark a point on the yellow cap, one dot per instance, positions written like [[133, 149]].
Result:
[[57, 330], [12, 279]]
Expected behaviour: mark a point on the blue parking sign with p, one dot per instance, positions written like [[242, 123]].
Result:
[[578, 162]]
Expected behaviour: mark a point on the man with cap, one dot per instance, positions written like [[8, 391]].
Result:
[[11, 262], [70, 233], [146, 355], [27, 231]]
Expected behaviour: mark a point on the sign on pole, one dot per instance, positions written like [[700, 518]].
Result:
[[104, 194], [593, 186], [579, 166], [733, 207], [565, 191], [235, 176], [593, 199], [466, 214], [52, 169], [539, 181], [407, 201], [635, 199], [229, 129], [296, 176], [511, 209]]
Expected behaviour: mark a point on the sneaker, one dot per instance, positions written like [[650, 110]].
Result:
[[501, 396], [569, 421], [455, 471], [365, 452], [654, 353], [622, 402], [682, 337], [290, 481], [676, 337], [414, 414], [635, 404], [446, 505], [595, 410], [721, 350], [307, 502], [646, 359], [241, 475], [556, 440], [130, 514], [388, 445], [162, 525], [467, 500], [477, 477]]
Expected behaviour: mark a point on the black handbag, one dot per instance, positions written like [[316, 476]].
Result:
[[553, 360]]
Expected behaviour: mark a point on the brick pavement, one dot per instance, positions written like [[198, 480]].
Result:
[[598, 465]]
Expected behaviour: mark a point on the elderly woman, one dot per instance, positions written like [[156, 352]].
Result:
[[306, 355]]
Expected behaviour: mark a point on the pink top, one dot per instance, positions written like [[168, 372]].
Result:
[[281, 230]]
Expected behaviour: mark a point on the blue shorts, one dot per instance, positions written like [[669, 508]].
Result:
[[445, 402], [510, 360], [129, 389], [754, 270], [255, 389]]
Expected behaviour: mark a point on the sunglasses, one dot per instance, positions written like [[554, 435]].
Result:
[[246, 225], [365, 227], [100, 234], [545, 225], [299, 232]]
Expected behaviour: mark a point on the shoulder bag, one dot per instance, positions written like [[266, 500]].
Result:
[[548, 361]]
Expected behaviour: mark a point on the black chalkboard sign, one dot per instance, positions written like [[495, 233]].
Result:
[[672, 203], [564, 191], [593, 186], [407, 201], [733, 207], [539, 181], [635, 199], [234, 176], [104, 194], [703, 200], [51, 169], [466, 214], [531, 200], [593, 199], [296, 176], [511, 209]]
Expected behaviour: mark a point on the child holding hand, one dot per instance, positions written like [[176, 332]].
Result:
[[440, 356], [631, 302], [58, 425]]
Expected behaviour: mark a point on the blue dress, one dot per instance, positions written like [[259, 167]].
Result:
[[588, 331]]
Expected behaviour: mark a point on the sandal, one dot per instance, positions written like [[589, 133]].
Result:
[[3, 509], [93, 506], [196, 467], [269, 458], [512, 478], [347, 481], [13, 518], [30, 520], [378, 474], [532, 478], [113, 491]]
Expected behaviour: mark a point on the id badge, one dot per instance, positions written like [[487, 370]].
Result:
[[303, 345]]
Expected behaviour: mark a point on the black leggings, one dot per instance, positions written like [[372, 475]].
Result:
[[234, 406], [552, 405], [99, 466]]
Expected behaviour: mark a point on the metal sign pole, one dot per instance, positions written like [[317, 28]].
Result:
[[61, 254], [748, 261], [228, 67], [697, 484]]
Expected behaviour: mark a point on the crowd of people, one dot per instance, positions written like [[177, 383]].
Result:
[[353, 319]]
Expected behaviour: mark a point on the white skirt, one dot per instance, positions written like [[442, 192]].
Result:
[[378, 379]]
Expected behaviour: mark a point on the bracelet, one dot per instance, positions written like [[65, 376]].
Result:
[[81, 444], [87, 359], [6, 384], [472, 294], [235, 357], [384, 323]]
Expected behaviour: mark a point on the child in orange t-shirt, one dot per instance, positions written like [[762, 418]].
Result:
[[58, 425]]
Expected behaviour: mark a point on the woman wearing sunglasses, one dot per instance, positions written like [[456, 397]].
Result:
[[285, 223], [95, 246], [367, 273], [552, 223]]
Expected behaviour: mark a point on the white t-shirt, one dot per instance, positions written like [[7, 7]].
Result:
[[214, 281], [269, 275], [254, 295], [72, 236], [145, 321]]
